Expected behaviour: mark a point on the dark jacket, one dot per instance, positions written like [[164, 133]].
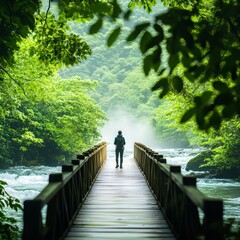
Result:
[[119, 142]]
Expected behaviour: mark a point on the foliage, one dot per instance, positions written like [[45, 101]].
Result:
[[225, 146], [123, 84], [52, 122], [55, 44], [8, 225], [201, 36], [16, 20], [204, 39], [20, 18], [191, 46]]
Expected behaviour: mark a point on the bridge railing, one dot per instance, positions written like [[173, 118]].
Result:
[[62, 197], [190, 213]]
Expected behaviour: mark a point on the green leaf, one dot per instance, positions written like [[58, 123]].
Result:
[[162, 83], [224, 98], [229, 111], [164, 91], [187, 115], [127, 14], [160, 32], [138, 29], [173, 45], [206, 96], [156, 56], [173, 61], [96, 26], [113, 36], [215, 120], [3, 182], [147, 64], [116, 9], [220, 86], [154, 42], [177, 83], [200, 119], [144, 42], [198, 100]]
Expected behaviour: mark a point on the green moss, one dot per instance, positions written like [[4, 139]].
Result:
[[195, 164]]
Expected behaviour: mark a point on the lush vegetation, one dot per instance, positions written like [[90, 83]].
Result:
[[8, 225], [123, 85], [190, 59], [188, 54], [45, 119], [201, 37], [189, 49]]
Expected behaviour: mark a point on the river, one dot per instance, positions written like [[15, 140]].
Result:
[[26, 182], [226, 189]]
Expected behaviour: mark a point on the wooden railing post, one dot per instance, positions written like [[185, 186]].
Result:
[[213, 219], [32, 219], [179, 198], [63, 196]]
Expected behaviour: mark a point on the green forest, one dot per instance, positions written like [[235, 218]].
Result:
[[67, 66], [66, 69]]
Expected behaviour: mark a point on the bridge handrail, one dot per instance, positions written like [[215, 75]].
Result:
[[63, 196], [179, 198]]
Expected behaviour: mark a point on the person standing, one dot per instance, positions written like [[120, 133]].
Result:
[[119, 141]]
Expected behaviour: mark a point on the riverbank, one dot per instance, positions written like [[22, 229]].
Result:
[[197, 166]]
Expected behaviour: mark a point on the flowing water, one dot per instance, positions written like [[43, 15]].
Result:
[[26, 182], [226, 189]]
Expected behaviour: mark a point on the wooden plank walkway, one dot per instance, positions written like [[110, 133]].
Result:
[[120, 205]]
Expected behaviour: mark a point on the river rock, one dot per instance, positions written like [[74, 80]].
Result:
[[195, 164]]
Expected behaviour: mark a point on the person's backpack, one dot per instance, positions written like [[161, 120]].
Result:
[[119, 142]]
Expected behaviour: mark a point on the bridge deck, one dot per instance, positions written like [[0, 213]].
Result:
[[120, 205]]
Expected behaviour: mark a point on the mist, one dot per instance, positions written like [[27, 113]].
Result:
[[133, 129]]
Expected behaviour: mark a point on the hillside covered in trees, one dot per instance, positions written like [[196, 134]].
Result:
[[175, 67]]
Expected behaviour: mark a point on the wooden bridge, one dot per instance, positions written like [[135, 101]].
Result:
[[147, 199]]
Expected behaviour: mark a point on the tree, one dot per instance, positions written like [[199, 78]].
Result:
[[45, 119], [20, 18], [16, 20], [201, 36]]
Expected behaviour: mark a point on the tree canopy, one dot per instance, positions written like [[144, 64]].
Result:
[[44, 119], [200, 38]]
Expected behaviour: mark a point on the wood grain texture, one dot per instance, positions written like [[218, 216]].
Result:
[[120, 206]]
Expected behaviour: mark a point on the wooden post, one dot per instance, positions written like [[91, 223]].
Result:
[[189, 181], [175, 168], [55, 177], [213, 219], [162, 160], [157, 156], [67, 168], [32, 219], [76, 161], [80, 156]]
